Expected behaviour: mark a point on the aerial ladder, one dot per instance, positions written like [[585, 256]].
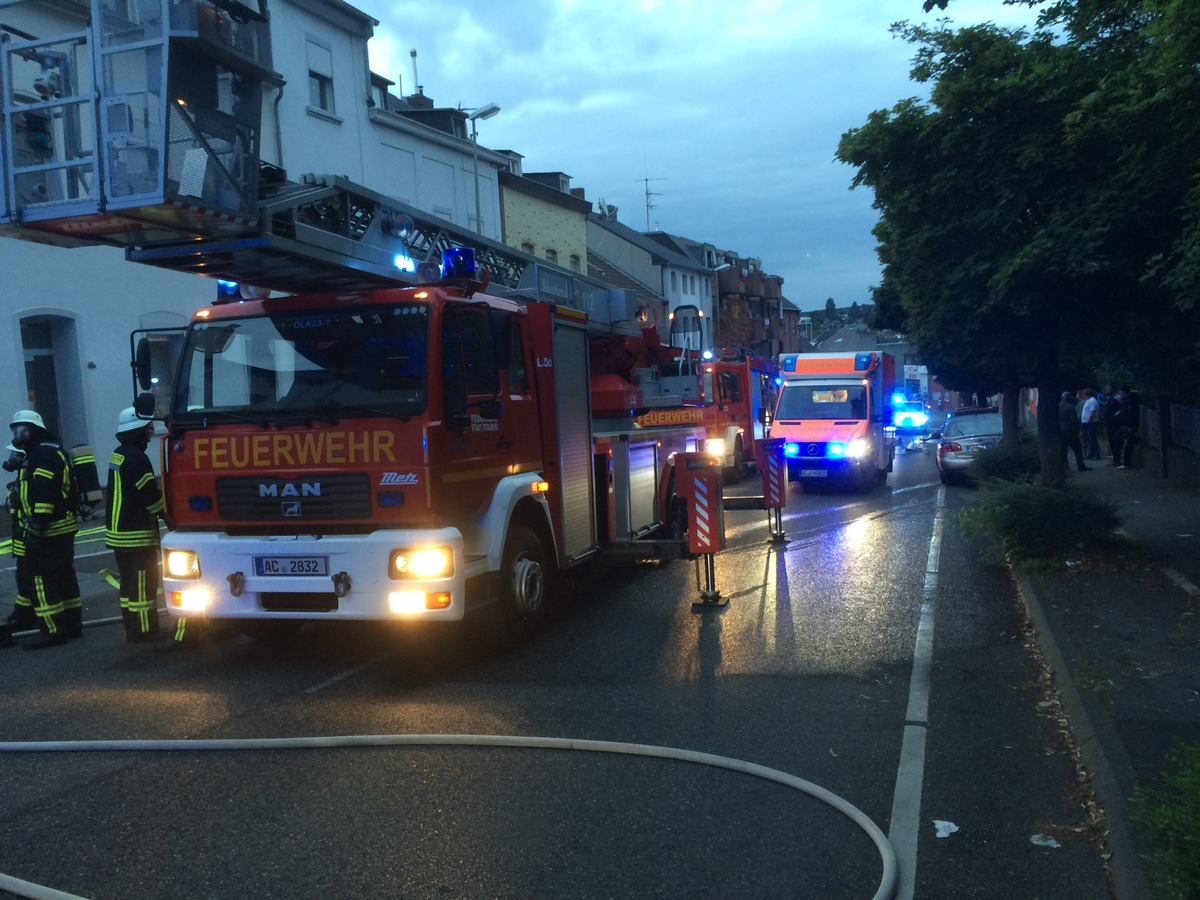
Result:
[[141, 126]]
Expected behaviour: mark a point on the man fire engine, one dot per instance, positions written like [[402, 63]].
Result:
[[407, 453]]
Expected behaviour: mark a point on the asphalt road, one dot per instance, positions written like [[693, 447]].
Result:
[[871, 670]]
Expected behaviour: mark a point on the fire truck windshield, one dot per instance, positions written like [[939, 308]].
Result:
[[806, 400], [324, 363]]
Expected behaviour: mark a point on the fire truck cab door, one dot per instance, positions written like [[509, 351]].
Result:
[[488, 414]]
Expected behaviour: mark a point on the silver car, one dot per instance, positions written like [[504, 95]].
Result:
[[966, 432]]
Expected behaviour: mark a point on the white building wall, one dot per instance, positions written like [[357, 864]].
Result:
[[106, 298]]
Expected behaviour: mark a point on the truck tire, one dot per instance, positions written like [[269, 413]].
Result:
[[523, 590]]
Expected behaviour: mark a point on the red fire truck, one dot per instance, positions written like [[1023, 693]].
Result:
[[405, 453], [738, 393]]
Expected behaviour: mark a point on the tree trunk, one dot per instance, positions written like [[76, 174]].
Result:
[[1050, 450], [1010, 411]]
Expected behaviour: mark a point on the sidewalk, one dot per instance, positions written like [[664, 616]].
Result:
[[1122, 636]]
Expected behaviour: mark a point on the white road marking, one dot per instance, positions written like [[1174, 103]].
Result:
[[910, 773]]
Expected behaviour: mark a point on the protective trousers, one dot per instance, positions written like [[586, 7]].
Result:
[[138, 570], [22, 616], [53, 586]]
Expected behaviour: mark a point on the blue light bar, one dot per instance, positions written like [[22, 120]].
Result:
[[458, 262]]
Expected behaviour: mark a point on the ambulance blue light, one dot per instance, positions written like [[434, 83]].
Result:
[[791, 448], [898, 398], [835, 449]]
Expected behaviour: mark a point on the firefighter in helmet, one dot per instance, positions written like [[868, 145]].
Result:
[[131, 526], [45, 506], [22, 616]]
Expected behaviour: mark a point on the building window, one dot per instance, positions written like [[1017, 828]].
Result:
[[320, 76], [674, 282], [552, 256], [527, 246], [575, 262]]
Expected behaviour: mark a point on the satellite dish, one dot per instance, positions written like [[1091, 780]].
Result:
[[428, 272]]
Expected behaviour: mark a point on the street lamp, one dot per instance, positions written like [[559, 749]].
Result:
[[483, 112]]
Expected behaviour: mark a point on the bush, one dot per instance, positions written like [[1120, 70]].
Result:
[[1172, 816], [1008, 462], [1029, 521]]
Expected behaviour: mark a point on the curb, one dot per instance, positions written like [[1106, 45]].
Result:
[[1109, 772]]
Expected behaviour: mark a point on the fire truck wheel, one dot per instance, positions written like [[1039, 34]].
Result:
[[737, 471], [269, 629], [524, 587]]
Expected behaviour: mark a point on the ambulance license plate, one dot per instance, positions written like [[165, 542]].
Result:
[[291, 565], [814, 473]]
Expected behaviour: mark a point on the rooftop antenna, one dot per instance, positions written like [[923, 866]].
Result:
[[649, 194]]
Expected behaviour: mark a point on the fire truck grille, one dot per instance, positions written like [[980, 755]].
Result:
[[293, 500]]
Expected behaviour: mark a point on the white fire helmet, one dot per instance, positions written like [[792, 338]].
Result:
[[128, 421], [27, 417]]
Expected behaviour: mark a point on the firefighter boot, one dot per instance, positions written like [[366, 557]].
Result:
[[73, 619], [45, 639], [6, 631]]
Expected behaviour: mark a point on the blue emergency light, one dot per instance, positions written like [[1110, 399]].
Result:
[[458, 262]]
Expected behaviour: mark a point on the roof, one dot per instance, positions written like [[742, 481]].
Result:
[[659, 253]]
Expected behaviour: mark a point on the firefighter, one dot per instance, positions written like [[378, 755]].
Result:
[[22, 616], [131, 526], [45, 505]]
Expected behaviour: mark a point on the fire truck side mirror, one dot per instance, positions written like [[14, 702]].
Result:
[[143, 365], [144, 405]]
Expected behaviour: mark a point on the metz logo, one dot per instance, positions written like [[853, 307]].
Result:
[[398, 478]]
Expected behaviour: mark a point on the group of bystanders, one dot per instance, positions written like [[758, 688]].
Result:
[[1081, 416]]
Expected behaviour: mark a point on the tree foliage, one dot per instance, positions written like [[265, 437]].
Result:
[[1042, 209]]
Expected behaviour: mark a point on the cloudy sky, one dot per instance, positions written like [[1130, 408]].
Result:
[[728, 113]]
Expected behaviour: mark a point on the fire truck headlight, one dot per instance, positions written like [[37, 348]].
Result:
[[181, 564], [715, 446], [193, 600], [421, 562], [408, 603]]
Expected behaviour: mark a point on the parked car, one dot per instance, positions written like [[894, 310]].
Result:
[[909, 415], [966, 432]]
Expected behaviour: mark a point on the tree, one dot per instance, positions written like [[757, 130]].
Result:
[[1010, 238]]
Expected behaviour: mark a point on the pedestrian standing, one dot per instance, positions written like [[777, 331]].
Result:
[[46, 508], [131, 526], [1110, 418], [1131, 419], [1068, 429], [1089, 422]]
